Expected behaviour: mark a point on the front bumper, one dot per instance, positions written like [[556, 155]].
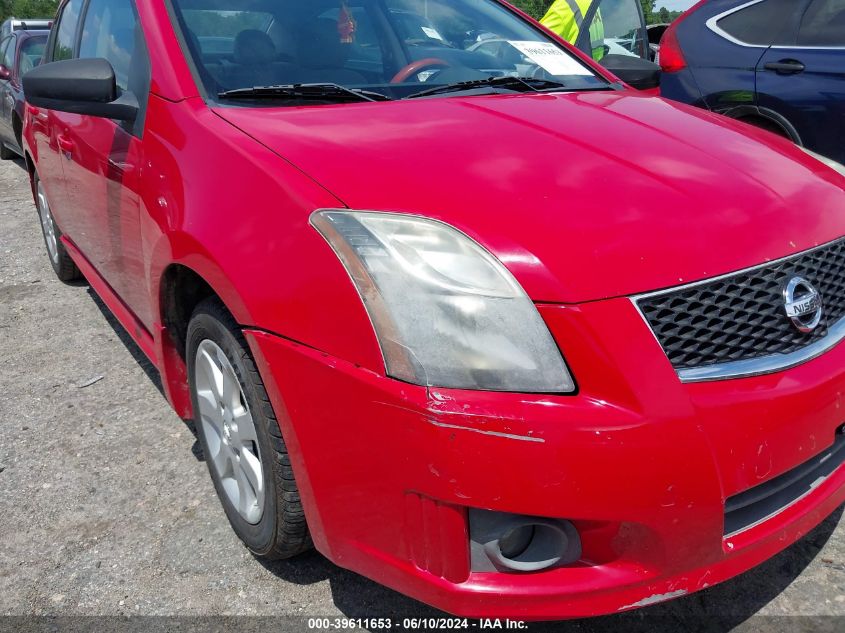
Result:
[[640, 463]]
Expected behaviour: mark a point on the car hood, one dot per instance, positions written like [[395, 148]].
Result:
[[583, 196]]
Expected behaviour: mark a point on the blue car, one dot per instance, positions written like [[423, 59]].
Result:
[[777, 64]]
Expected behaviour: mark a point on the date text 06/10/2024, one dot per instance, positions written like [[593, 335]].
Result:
[[414, 624]]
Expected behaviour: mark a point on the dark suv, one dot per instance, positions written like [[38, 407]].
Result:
[[775, 63]]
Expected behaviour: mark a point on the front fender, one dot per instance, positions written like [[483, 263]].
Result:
[[235, 213]]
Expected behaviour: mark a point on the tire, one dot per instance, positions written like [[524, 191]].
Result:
[[270, 522], [61, 262], [5, 152]]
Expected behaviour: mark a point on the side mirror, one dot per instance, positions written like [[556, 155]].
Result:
[[634, 71], [5, 73], [79, 86]]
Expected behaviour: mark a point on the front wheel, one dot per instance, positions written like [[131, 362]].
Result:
[[241, 438]]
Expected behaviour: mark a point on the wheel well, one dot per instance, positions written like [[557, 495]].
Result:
[[30, 168], [17, 128], [181, 291], [766, 124]]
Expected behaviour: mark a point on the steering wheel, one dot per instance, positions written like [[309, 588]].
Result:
[[415, 68]]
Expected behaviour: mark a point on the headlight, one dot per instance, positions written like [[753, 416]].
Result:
[[445, 311], [837, 167]]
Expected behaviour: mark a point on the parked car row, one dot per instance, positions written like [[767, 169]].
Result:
[[446, 299], [13, 24], [771, 63], [777, 64], [21, 49]]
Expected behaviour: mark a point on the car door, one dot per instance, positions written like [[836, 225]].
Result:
[[47, 125], [104, 157], [724, 49], [7, 56], [613, 33], [804, 79], [620, 23]]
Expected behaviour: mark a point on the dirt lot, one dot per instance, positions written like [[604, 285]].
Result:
[[106, 507]]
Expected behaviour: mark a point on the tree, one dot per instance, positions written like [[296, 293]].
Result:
[[535, 8], [28, 8]]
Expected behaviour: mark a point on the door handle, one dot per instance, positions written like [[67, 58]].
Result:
[[785, 67]]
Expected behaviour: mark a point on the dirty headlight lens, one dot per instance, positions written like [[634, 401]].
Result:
[[835, 166], [446, 312]]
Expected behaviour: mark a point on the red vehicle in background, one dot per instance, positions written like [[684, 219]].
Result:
[[489, 328]]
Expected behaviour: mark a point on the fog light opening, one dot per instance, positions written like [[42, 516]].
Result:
[[516, 543], [543, 546]]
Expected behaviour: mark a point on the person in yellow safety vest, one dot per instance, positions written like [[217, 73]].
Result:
[[565, 18]]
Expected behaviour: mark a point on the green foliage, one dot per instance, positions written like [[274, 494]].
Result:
[[534, 8], [663, 16], [28, 8]]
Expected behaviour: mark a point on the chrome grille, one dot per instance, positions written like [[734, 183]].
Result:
[[740, 317]]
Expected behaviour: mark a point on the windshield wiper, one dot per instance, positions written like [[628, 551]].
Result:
[[316, 91], [521, 84]]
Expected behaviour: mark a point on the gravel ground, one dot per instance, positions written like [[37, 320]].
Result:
[[106, 508]]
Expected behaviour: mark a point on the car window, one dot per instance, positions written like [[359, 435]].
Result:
[[760, 24], [65, 34], [215, 31], [415, 29], [109, 31], [6, 52], [386, 46], [365, 51], [32, 51], [616, 28], [823, 24]]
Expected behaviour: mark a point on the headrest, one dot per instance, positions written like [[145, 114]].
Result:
[[253, 48]]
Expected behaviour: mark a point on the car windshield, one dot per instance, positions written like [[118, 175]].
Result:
[[384, 48]]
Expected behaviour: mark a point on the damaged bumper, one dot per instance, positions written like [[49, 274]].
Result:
[[640, 464]]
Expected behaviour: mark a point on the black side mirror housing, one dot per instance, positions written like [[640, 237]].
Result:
[[634, 71], [79, 86]]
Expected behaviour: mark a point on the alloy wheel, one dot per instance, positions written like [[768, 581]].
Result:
[[229, 431]]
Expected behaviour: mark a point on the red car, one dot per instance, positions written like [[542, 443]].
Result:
[[497, 332]]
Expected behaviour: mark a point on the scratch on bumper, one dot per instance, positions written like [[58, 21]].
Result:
[[523, 438], [658, 597]]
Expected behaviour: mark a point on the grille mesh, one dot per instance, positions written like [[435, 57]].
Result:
[[742, 316]]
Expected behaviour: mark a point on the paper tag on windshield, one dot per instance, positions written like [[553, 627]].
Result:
[[432, 33], [550, 58]]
